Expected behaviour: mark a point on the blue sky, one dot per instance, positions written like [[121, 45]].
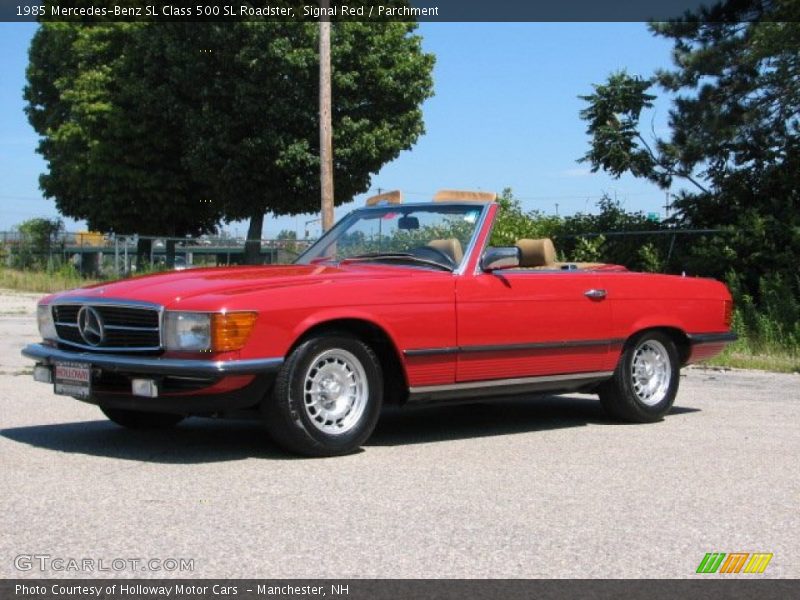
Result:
[[505, 114]]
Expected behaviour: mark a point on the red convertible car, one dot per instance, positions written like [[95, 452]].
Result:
[[398, 303]]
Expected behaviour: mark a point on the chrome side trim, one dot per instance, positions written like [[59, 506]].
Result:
[[500, 387], [432, 351], [154, 365], [543, 345], [484, 384], [514, 347]]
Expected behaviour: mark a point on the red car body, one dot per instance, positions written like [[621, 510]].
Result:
[[439, 335]]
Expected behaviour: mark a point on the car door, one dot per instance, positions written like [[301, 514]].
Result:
[[526, 322]]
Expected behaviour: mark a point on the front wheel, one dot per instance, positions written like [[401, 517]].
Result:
[[327, 397], [645, 381]]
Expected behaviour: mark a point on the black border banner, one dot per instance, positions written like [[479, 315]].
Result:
[[395, 589], [354, 10]]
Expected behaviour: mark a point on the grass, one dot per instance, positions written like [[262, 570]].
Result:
[[42, 281], [765, 343], [777, 362]]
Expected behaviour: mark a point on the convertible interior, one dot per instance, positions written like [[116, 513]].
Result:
[[534, 254]]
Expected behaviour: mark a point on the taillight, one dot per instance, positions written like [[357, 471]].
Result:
[[728, 313]]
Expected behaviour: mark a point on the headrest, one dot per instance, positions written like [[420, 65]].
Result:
[[537, 253], [451, 247]]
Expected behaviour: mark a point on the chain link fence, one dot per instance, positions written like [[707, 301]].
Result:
[[112, 255]]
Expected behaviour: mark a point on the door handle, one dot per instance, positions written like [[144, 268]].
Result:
[[595, 293]]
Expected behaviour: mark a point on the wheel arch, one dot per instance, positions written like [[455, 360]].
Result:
[[676, 334], [395, 378]]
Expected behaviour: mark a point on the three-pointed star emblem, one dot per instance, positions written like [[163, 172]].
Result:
[[90, 326]]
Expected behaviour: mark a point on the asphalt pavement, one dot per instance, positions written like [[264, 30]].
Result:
[[526, 488]]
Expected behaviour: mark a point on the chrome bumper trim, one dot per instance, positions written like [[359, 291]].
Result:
[[154, 365]]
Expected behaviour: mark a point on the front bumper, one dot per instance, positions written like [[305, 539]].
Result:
[[155, 365], [186, 386]]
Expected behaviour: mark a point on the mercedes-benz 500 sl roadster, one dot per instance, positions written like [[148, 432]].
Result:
[[398, 303]]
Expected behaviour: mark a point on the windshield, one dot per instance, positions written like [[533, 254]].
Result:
[[431, 235]]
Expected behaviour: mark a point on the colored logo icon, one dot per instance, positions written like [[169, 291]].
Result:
[[735, 562]]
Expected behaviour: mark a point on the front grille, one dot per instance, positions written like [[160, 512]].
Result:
[[125, 328]]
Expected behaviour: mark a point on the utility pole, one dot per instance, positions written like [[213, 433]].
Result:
[[325, 125]]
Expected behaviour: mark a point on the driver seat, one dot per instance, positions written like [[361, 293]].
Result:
[[451, 247]]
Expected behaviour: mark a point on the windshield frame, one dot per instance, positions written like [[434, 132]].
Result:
[[349, 218]]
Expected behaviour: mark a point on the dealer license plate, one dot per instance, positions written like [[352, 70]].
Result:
[[73, 379]]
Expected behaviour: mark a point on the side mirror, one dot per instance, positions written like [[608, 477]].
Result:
[[500, 258]]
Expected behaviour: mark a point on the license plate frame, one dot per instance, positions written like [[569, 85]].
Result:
[[72, 379]]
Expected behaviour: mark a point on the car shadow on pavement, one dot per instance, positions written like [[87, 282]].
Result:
[[512, 414], [193, 441], [208, 441]]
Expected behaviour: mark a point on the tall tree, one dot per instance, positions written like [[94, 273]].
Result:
[[169, 127], [113, 130], [256, 130], [735, 133]]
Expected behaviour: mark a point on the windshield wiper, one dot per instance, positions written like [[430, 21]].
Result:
[[396, 256]]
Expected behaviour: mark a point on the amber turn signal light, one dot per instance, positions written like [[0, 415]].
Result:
[[229, 331]]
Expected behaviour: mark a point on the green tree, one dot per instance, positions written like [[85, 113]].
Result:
[[255, 130], [37, 238], [287, 234], [574, 242], [168, 128], [734, 138], [513, 223], [113, 130]]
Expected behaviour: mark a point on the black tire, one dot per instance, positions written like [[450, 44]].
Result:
[[624, 397], [295, 414], [134, 419]]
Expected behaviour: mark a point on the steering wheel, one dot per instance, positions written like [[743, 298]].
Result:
[[435, 255]]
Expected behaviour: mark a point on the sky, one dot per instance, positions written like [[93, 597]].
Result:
[[504, 114]]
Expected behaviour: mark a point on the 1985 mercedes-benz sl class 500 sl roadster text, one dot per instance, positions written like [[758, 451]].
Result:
[[398, 303]]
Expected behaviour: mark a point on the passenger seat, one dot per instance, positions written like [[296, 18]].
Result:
[[537, 254]]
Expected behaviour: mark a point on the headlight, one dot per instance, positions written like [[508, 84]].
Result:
[[44, 317], [189, 332], [204, 332]]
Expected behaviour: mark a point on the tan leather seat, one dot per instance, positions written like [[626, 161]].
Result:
[[451, 247], [537, 253]]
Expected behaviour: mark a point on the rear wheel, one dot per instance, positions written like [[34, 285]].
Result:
[[134, 419], [327, 397], [645, 381]]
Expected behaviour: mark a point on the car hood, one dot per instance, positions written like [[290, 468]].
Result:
[[176, 287]]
